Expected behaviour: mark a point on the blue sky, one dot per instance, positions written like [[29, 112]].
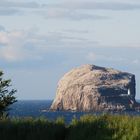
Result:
[[41, 40]]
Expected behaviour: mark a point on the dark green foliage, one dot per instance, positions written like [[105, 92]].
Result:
[[88, 127], [6, 96], [31, 129], [105, 127]]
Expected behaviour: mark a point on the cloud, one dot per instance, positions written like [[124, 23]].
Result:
[[76, 31], [63, 9], [112, 58], [2, 28], [91, 56], [25, 45], [93, 5], [9, 11], [17, 46], [74, 10], [136, 61], [60, 13], [17, 4], [79, 10], [8, 8], [74, 15]]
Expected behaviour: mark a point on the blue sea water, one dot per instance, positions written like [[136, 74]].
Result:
[[40, 108]]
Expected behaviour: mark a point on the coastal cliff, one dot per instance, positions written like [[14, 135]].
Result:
[[94, 88]]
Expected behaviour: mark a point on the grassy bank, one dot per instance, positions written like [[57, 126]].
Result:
[[106, 127]]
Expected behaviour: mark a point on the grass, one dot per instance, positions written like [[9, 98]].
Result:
[[88, 127], [106, 127], [32, 129]]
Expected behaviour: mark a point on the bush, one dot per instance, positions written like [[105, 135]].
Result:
[[88, 127]]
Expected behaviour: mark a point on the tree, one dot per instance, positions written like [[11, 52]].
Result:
[[6, 95]]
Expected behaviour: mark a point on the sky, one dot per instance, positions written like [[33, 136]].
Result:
[[42, 40]]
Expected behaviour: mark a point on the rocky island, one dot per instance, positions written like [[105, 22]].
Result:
[[94, 88]]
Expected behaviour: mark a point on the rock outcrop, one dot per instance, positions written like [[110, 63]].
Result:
[[94, 88]]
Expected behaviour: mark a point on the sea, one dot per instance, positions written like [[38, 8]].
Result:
[[40, 108]]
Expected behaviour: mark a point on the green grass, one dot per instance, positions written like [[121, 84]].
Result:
[[32, 129], [106, 127], [88, 127]]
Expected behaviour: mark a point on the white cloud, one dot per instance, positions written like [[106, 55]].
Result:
[[94, 5], [9, 11], [71, 14], [20, 45], [8, 8], [94, 57], [15, 45], [79, 10], [17, 4], [65, 9], [91, 56], [136, 61], [81, 31], [61, 13]]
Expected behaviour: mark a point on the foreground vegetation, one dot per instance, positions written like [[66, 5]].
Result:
[[6, 96], [88, 127]]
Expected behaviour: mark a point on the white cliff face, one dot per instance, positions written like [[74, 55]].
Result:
[[93, 88]]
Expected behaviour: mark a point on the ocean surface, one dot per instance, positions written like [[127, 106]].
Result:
[[40, 108]]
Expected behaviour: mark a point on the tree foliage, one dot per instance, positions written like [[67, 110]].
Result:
[[6, 95]]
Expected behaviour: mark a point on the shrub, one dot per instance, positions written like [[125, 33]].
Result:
[[88, 127]]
